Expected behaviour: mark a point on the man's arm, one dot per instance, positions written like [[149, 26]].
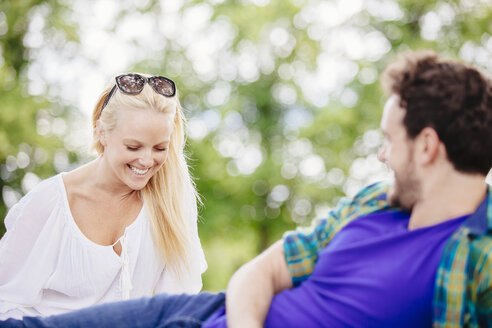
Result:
[[252, 287]]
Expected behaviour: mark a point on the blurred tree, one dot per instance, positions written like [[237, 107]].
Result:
[[294, 88], [30, 143], [282, 96]]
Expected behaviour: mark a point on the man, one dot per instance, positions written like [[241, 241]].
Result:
[[416, 253]]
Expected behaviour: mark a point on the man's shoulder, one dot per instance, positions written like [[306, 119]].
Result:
[[373, 193], [369, 199]]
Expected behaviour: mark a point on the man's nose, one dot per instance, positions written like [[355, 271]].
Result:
[[382, 153]]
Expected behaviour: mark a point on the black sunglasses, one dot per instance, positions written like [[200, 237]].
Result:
[[133, 84]]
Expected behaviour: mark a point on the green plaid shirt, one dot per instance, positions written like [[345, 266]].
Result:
[[463, 290]]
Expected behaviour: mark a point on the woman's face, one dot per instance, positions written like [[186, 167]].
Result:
[[138, 146]]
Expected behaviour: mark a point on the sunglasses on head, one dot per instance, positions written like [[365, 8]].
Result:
[[133, 84]]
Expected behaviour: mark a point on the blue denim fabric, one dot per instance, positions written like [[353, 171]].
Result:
[[164, 311]]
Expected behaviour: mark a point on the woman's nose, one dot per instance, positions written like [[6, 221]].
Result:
[[146, 159]]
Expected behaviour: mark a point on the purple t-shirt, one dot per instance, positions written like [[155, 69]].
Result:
[[374, 273]]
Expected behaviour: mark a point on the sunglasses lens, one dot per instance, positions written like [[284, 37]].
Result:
[[163, 86], [130, 83]]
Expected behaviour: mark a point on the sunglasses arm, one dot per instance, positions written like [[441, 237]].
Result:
[[108, 97]]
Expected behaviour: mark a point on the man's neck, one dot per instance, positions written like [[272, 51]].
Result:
[[446, 197]]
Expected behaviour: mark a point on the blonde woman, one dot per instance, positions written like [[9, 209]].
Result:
[[122, 226]]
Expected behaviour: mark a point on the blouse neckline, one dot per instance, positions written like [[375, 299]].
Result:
[[79, 232]]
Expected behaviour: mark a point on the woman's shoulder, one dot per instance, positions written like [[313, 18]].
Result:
[[45, 189], [58, 185], [43, 197], [38, 205]]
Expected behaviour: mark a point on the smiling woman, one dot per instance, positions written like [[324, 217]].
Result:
[[122, 226]]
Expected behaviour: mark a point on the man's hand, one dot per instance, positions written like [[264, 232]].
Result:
[[252, 287]]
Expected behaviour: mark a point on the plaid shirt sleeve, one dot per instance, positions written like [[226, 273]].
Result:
[[484, 285], [481, 279], [463, 294], [301, 247]]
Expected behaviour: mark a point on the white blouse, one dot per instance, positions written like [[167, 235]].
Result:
[[48, 266]]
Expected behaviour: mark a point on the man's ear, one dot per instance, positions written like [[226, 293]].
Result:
[[428, 146], [101, 134]]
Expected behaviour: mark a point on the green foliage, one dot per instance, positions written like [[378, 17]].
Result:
[[22, 149], [270, 109]]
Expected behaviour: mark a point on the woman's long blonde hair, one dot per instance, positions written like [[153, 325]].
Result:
[[167, 192]]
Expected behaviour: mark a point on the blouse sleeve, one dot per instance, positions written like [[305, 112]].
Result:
[[26, 249], [191, 281]]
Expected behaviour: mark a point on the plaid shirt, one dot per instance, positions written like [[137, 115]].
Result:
[[463, 289]]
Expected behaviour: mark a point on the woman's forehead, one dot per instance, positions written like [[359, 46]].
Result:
[[138, 119], [146, 113]]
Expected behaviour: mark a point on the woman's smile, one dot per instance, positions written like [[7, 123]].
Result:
[[137, 171]]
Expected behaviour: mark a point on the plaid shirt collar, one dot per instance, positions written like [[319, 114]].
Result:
[[480, 221]]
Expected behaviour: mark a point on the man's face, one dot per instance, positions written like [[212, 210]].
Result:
[[397, 153]]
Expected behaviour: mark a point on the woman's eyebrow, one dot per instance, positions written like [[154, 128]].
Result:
[[131, 140]]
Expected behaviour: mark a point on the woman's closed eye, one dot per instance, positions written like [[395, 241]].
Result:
[[135, 148]]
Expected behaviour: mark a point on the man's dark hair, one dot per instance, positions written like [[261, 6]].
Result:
[[453, 98]]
